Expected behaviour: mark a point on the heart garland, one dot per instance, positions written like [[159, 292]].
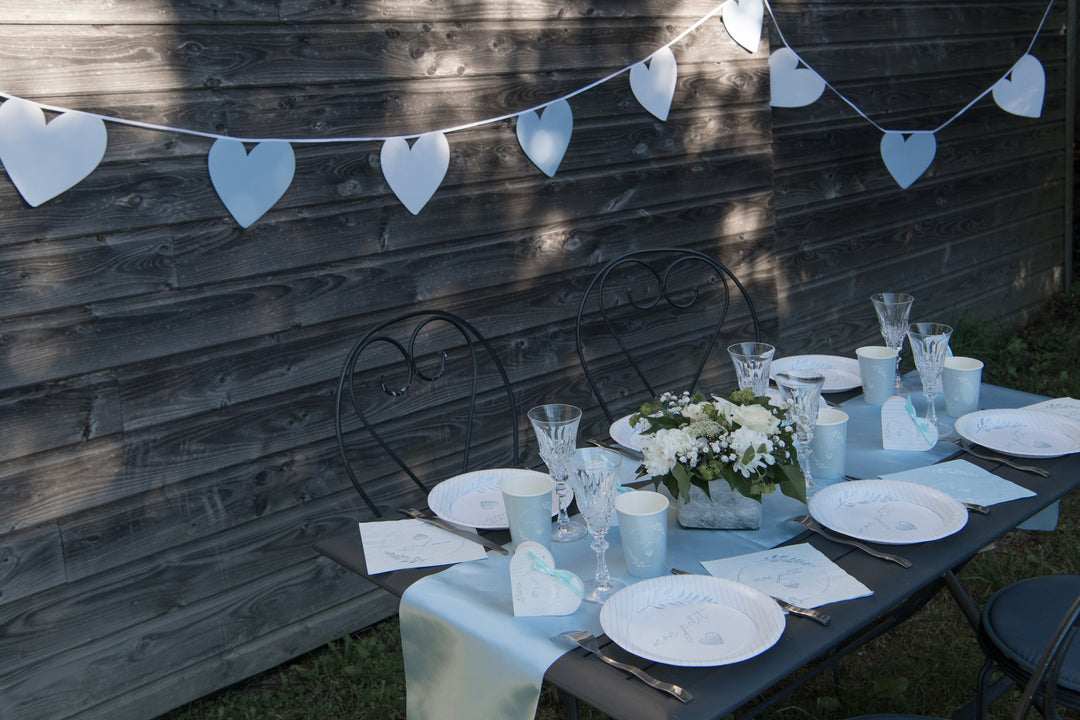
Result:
[[250, 183], [654, 84], [743, 20], [792, 86], [544, 138], [414, 174], [1021, 92], [44, 159], [907, 158]]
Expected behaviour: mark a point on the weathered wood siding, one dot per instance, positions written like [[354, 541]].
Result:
[[167, 455], [167, 378], [981, 232]]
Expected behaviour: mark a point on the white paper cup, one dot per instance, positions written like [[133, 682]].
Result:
[[961, 379], [877, 368], [528, 507], [643, 527], [828, 448]]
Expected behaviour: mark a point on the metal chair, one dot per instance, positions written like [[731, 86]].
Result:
[[1027, 629], [641, 302], [399, 413]]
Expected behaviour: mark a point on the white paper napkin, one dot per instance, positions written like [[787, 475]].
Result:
[[965, 482], [398, 544], [1066, 406], [799, 574]]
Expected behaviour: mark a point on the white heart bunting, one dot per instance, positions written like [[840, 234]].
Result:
[[743, 19], [414, 174], [250, 183], [1021, 92], [544, 138], [45, 159], [654, 84], [792, 86], [908, 158]]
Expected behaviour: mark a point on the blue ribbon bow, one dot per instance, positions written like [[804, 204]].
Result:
[[924, 427], [564, 576]]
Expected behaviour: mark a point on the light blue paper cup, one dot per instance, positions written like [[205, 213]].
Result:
[[643, 517], [828, 448], [961, 379], [877, 369], [528, 507]]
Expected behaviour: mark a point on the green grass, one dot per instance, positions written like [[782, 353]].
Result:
[[928, 665]]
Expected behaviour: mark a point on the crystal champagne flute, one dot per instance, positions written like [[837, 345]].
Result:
[[556, 428], [752, 362], [801, 389], [929, 344], [892, 311], [595, 479]]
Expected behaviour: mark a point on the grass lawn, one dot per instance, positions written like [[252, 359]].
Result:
[[928, 665]]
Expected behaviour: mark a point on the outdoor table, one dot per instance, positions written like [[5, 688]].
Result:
[[897, 593]]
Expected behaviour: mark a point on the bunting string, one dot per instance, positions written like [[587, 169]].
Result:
[[43, 158]]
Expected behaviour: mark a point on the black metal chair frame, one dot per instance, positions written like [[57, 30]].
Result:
[[1041, 682], [474, 341], [662, 293]]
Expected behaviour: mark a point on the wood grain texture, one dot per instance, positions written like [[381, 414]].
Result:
[[167, 377]]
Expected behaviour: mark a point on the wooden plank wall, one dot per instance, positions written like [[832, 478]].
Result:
[[167, 454], [981, 232]]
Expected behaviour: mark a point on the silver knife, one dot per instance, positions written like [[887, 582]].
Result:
[[453, 530], [815, 615]]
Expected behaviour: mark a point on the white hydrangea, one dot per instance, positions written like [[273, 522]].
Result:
[[661, 450], [745, 439]]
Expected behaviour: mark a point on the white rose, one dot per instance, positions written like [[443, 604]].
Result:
[[756, 418], [694, 412]]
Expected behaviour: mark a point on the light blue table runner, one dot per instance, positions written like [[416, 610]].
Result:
[[467, 656]]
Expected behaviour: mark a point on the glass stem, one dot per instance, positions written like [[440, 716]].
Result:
[[931, 411], [560, 492], [802, 447], [600, 546], [899, 379]]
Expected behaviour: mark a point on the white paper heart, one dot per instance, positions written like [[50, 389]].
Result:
[[654, 84], [907, 158], [792, 86], [544, 138], [899, 431], [1022, 91], [414, 174], [537, 592], [45, 159], [250, 183], [743, 19]]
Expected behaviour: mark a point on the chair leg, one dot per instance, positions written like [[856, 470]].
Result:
[[981, 701]]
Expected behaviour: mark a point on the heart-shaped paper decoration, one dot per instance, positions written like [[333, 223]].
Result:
[[792, 86], [743, 19], [907, 158], [415, 173], [250, 183], [537, 592], [544, 138], [45, 159], [1022, 91], [899, 431], [654, 84]]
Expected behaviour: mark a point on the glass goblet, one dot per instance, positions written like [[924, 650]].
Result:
[[595, 479], [752, 361], [929, 344], [801, 389], [892, 311], [556, 429]]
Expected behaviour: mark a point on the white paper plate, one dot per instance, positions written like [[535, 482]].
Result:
[[692, 620], [474, 499], [1021, 433], [627, 436], [841, 373], [887, 511]]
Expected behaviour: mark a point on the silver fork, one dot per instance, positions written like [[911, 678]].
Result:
[[816, 527], [815, 615], [963, 444], [588, 641]]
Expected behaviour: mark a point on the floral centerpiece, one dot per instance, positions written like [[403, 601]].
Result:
[[738, 443]]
